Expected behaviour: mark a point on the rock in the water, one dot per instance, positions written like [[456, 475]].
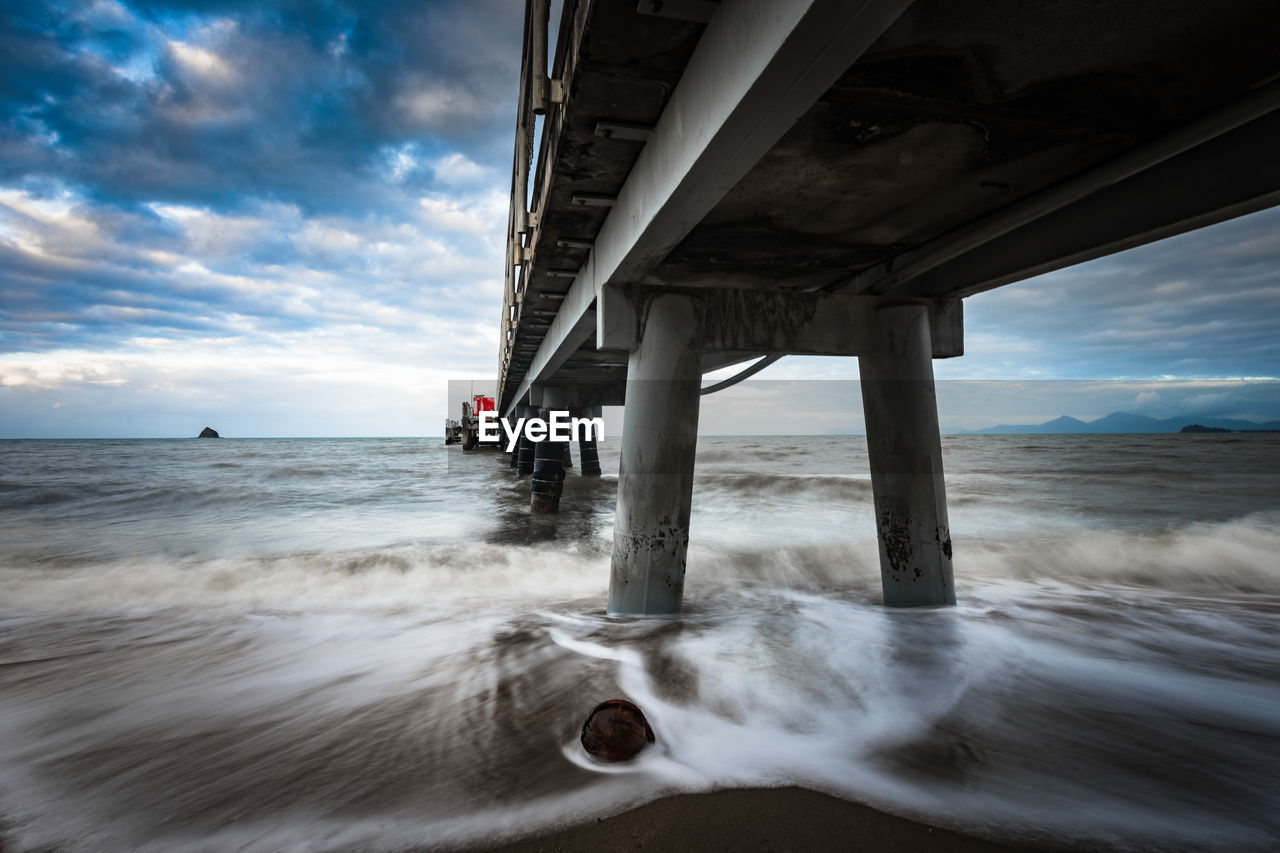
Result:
[[616, 731], [209, 432]]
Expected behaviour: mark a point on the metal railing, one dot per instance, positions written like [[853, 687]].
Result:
[[540, 95]]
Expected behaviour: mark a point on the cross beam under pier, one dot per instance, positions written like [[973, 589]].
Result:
[[771, 322]]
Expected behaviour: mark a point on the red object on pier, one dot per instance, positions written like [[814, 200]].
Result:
[[482, 404]]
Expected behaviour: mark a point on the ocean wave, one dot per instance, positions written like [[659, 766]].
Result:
[[1239, 556], [763, 485], [20, 498], [289, 472], [396, 577], [1232, 558]]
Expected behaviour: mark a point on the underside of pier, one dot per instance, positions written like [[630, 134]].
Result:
[[717, 181]]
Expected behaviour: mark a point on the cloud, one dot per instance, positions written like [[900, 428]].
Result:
[[77, 274], [216, 103], [1145, 399], [455, 169], [428, 104]]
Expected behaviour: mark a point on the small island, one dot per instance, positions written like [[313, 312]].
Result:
[[1199, 428], [209, 432]]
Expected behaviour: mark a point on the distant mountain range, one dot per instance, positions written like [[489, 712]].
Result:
[[1123, 422]]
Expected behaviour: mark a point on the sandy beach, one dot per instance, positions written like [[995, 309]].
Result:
[[752, 819]]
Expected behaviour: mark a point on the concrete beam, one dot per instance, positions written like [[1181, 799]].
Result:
[[911, 265], [696, 11], [575, 395], [758, 67], [770, 322], [1233, 175]]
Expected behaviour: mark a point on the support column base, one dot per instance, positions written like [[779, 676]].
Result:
[[655, 475], [905, 451]]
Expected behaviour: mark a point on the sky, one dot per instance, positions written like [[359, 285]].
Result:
[[288, 218]]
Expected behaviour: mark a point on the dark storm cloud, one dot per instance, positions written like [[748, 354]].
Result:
[[211, 103], [241, 169]]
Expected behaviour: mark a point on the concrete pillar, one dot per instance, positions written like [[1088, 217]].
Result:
[[548, 472], [568, 455], [588, 453], [524, 462], [655, 476], [901, 411]]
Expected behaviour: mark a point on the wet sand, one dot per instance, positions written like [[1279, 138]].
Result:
[[753, 819]]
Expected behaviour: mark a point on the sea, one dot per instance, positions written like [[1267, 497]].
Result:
[[335, 644]]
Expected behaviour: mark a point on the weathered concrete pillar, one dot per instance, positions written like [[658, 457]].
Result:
[[901, 411], [655, 477], [588, 452], [548, 472], [524, 462]]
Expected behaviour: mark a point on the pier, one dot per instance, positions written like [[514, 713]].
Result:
[[699, 184]]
